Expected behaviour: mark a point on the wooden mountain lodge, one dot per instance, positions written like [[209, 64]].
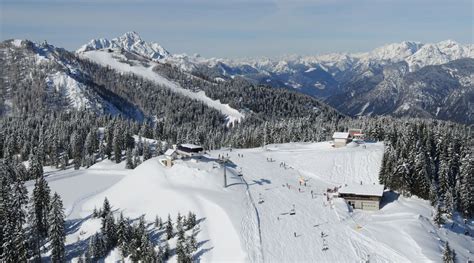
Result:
[[341, 139], [365, 197]]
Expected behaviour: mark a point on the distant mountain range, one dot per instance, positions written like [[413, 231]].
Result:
[[401, 79]]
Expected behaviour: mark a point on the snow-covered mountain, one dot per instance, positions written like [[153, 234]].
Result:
[[130, 42], [32, 71]]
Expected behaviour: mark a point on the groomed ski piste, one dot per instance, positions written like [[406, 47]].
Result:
[[251, 219]]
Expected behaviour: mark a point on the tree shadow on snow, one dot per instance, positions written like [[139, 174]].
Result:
[[202, 251], [72, 226], [388, 197], [77, 248], [262, 181]]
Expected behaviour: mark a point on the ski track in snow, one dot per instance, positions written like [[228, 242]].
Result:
[[107, 59], [260, 255]]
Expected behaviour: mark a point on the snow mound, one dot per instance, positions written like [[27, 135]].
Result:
[[352, 145], [152, 189]]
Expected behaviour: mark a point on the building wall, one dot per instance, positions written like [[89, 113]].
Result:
[[364, 204], [340, 142]]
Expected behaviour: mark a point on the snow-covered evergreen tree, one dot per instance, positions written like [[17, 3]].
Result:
[[448, 254], [117, 144], [57, 235], [41, 203], [146, 151], [467, 186], [106, 208], [169, 228], [129, 160]]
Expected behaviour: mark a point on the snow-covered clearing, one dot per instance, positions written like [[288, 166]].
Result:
[[75, 186], [250, 219], [116, 62]]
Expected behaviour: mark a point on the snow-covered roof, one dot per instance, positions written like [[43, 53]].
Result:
[[190, 146], [340, 135], [363, 189], [170, 152]]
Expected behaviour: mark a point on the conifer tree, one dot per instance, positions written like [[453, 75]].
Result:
[[14, 247], [109, 232], [467, 186], [146, 151], [129, 160], [106, 209], [41, 203], [77, 148], [56, 231], [34, 237], [448, 254], [191, 220], [169, 228], [122, 236], [36, 168], [191, 243], [181, 252], [437, 216], [166, 251], [117, 145], [136, 158]]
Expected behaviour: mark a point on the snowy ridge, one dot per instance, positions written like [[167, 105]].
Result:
[[119, 63]]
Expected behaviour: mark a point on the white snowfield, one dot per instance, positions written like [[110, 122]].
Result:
[[115, 61], [251, 219]]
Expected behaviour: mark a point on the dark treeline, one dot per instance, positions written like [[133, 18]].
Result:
[[433, 160]]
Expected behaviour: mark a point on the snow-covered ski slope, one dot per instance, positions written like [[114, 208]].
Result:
[[250, 219], [121, 64]]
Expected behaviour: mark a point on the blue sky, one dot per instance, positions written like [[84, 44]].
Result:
[[236, 28]]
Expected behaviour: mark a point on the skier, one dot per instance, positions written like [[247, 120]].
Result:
[[294, 234]]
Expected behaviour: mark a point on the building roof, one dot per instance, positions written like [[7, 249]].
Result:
[[190, 146], [363, 189], [340, 135], [170, 152]]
